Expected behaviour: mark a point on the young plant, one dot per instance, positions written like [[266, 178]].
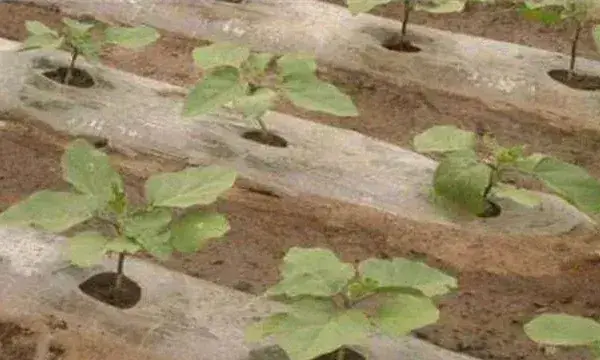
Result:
[[252, 83], [580, 12], [471, 180], [331, 304], [78, 38], [98, 193], [565, 330], [432, 6]]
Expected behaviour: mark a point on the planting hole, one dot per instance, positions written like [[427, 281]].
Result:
[[349, 354], [577, 81], [19, 343], [403, 46], [102, 287], [79, 78], [492, 210], [264, 138]]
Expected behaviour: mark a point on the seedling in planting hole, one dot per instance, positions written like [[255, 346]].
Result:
[[99, 194], [331, 304], [565, 330], [252, 83], [471, 180], [432, 6], [580, 12], [78, 38]]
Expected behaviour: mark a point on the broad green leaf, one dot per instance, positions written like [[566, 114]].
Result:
[[51, 211], [122, 245], [443, 139], [563, 329], [220, 54], [131, 37], [90, 172], [215, 90], [158, 245], [313, 94], [87, 46], [545, 16], [257, 104], [403, 313], [440, 6], [596, 36], [191, 186], [39, 28], [314, 333], [147, 223], [313, 272], [463, 180], [521, 196], [404, 273], [296, 64], [359, 6], [77, 27], [192, 232], [44, 41], [258, 62], [87, 248], [266, 327], [571, 182], [527, 165]]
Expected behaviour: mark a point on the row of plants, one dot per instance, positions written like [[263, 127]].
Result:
[[330, 303]]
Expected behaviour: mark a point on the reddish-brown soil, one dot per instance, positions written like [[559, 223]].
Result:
[[504, 281]]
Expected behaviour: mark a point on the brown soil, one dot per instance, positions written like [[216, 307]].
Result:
[[504, 281], [576, 81], [103, 287]]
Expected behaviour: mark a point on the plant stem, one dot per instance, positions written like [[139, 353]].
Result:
[[71, 67], [262, 124], [574, 50], [407, 9], [341, 354], [119, 279]]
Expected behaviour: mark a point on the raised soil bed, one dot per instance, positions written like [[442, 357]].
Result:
[[503, 280]]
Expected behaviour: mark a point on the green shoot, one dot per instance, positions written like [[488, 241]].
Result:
[[331, 304], [98, 193]]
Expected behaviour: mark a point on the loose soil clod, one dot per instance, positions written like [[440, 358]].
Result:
[[20, 343]]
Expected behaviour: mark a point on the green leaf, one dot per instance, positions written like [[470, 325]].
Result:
[[122, 245], [596, 36], [521, 196], [77, 28], [443, 139], [158, 245], [316, 328], [570, 182], [266, 327], [45, 41], [545, 16], [51, 211], [296, 65], [257, 104], [87, 248], [527, 165], [562, 329], [314, 272], [191, 186], [463, 180], [258, 62], [192, 232], [358, 6], [131, 37], [313, 94], [403, 273], [39, 28], [87, 47], [440, 6], [147, 223], [217, 89], [220, 54], [90, 172], [403, 313]]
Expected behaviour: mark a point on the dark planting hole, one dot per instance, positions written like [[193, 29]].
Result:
[[491, 210], [577, 81], [79, 78], [401, 46], [102, 287], [349, 354], [265, 138]]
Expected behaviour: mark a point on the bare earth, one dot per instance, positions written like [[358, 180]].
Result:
[[504, 281]]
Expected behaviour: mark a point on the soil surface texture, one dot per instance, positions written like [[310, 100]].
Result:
[[503, 281]]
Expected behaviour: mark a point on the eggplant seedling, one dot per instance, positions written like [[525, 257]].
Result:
[[330, 306], [163, 225], [474, 170], [399, 42], [580, 12], [252, 83], [79, 39]]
